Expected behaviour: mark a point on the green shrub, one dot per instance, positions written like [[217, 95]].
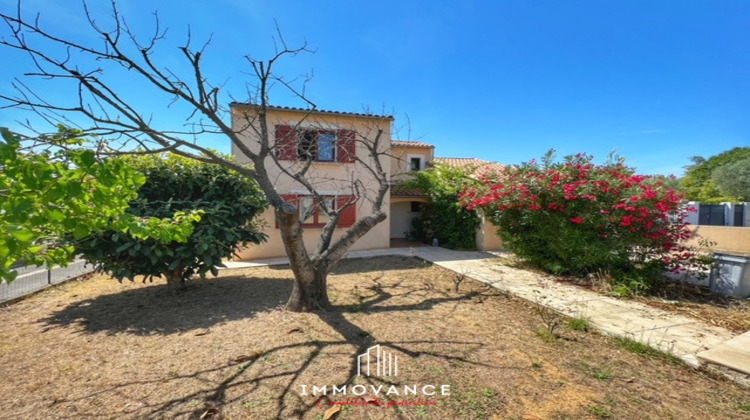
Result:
[[49, 193], [228, 203], [444, 217]]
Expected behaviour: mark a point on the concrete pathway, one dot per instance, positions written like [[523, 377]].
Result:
[[733, 354], [689, 339]]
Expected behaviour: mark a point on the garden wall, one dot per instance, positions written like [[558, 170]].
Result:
[[487, 239], [729, 239]]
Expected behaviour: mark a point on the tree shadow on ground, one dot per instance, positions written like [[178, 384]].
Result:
[[155, 310], [353, 265], [158, 310]]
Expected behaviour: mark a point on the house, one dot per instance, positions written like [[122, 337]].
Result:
[[326, 144]]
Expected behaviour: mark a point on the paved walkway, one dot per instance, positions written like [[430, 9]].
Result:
[[689, 339]]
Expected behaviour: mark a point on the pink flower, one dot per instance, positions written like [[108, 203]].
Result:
[[576, 220]]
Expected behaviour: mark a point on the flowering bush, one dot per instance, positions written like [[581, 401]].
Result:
[[577, 218]]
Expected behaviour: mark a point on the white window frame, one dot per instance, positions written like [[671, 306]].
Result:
[[421, 158]]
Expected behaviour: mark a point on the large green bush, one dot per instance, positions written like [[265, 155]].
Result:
[[47, 194], [577, 218], [228, 203]]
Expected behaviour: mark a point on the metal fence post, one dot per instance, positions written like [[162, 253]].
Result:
[[49, 276]]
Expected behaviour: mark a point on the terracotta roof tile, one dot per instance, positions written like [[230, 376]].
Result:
[[410, 143], [483, 167], [400, 191]]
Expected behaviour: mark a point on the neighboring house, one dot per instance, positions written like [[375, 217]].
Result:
[[328, 142], [722, 214]]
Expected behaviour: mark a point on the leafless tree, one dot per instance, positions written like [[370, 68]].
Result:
[[103, 111]]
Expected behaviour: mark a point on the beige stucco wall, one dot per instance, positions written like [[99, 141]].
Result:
[[486, 236], [377, 238], [401, 217], [400, 157], [729, 239], [328, 178]]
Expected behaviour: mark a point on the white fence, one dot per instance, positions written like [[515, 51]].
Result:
[[32, 279]]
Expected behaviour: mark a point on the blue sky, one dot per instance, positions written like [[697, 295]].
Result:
[[504, 81]]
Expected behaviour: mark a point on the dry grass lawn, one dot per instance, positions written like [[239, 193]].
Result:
[[226, 349]]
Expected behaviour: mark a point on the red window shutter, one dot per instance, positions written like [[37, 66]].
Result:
[[346, 146], [294, 199], [286, 142], [349, 215]]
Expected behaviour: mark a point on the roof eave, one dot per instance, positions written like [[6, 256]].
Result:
[[312, 111]]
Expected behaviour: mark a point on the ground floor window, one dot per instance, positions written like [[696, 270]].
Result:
[[312, 213]]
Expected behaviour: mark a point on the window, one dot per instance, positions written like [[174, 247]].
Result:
[[326, 147], [415, 164], [315, 145], [311, 212], [416, 207], [307, 210]]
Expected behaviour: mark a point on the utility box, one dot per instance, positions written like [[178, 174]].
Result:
[[730, 275]]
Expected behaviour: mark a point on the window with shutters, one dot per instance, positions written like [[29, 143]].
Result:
[[311, 211], [315, 145]]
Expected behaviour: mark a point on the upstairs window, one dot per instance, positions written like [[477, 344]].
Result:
[[315, 145], [326, 147], [415, 164]]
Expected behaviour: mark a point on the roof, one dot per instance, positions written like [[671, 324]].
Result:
[[399, 191], [483, 167], [458, 162], [311, 111], [410, 143]]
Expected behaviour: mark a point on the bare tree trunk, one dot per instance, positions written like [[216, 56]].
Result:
[[175, 280], [310, 292]]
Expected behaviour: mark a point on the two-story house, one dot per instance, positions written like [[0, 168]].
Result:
[[332, 149]]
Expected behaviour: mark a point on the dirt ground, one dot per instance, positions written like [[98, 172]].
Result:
[[697, 302], [687, 299], [225, 349]]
